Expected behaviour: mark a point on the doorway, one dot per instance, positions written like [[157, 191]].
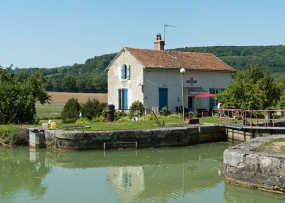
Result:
[[190, 103], [163, 97]]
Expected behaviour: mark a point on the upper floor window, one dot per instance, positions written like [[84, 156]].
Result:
[[126, 72]]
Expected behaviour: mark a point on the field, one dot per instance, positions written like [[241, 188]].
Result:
[[53, 110], [63, 97]]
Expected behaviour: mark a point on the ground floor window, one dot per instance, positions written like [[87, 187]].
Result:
[[123, 99], [214, 103]]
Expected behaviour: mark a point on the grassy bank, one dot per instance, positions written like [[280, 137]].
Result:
[[11, 135], [127, 124], [273, 146]]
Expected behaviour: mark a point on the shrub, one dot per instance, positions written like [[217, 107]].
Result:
[[160, 116], [99, 119], [149, 117], [82, 120], [92, 108], [119, 114], [125, 118], [164, 111], [70, 111], [13, 135], [178, 116], [136, 109]]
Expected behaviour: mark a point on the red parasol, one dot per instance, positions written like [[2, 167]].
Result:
[[206, 95]]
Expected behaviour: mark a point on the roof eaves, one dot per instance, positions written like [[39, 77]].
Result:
[[139, 61], [233, 70], [110, 64]]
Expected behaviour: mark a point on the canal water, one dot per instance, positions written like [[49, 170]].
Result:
[[185, 174]]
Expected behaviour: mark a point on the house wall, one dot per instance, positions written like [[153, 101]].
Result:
[[171, 79], [115, 82]]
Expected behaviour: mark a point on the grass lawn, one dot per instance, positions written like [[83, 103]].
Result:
[[124, 125], [53, 112]]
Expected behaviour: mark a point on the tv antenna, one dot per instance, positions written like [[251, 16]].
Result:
[[167, 25]]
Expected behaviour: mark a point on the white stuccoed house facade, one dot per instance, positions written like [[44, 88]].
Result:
[[153, 77]]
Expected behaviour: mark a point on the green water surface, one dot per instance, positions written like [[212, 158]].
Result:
[[187, 174]]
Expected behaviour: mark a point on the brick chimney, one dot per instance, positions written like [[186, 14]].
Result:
[[158, 43]]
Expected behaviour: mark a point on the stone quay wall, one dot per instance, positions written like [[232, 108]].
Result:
[[162, 137], [244, 166]]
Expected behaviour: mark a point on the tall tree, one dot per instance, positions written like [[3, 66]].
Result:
[[250, 88], [18, 99]]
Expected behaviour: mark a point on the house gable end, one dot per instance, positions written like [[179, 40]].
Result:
[[123, 50]]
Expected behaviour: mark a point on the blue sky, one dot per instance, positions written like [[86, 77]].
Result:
[[53, 33]]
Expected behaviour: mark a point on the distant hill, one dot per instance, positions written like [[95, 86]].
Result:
[[90, 76], [271, 58], [87, 77]]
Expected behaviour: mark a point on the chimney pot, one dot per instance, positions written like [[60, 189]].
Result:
[[158, 43], [158, 36]]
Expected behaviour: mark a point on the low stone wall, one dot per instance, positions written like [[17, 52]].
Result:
[[162, 137], [244, 166]]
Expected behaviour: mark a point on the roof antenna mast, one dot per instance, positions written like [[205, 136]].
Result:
[[167, 25]]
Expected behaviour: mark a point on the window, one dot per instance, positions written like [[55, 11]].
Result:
[[123, 99], [126, 72], [214, 103]]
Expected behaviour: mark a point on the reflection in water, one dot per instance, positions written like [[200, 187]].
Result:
[[20, 172], [128, 182], [188, 174], [244, 195]]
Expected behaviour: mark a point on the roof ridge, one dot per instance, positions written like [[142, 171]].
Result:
[[169, 51], [168, 59]]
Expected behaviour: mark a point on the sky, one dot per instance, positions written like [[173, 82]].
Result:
[[55, 33]]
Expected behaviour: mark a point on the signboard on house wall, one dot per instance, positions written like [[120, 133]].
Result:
[[191, 81]]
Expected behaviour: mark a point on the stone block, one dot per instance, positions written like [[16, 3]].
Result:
[[37, 138], [233, 158]]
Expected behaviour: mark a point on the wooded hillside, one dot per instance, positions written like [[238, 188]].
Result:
[[90, 76]]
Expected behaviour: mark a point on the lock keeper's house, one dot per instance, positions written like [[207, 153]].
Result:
[[153, 77]]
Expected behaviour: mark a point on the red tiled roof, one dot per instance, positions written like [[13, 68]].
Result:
[[150, 58]]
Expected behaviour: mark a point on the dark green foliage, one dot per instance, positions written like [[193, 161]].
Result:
[[164, 111], [92, 108], [88, 77], [18, 99], [70, 111], [271, 58], [251, 88], [136, 109], [119, 114]]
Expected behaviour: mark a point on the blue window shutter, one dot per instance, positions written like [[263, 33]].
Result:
[[222, 89], [123, 72], [211, 105], [129, 72], [120, 98], [125, 99]]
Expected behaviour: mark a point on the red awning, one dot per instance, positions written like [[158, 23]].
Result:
[[206, 95]]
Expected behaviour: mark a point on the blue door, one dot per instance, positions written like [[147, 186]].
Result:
[[125, 99], [163, 97]]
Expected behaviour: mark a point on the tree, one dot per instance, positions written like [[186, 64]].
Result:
[[100, 83], [69, 84], [18, 99], [70, 111], [281, 102], [92, 108], [250, 88]]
